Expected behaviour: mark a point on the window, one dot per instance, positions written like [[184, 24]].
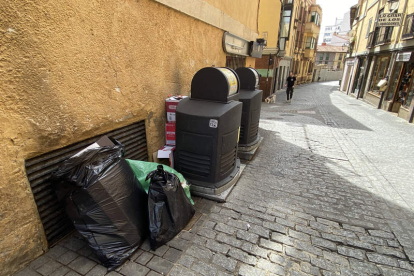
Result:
[[384, 34], [408, 31], [315, 18], [310, 43], [286, 24], [321, 56], [326, 62], [340, 56], [327, 56], [369, 27], [288, 1], [380, 69]]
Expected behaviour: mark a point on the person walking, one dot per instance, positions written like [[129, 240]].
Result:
[[290, 85]]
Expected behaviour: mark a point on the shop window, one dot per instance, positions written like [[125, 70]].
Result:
[[408, 31], [380, 69], [405, 91], [395, 77]]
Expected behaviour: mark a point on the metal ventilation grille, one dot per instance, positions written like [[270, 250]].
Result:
[[228, 161], [55, 221], [195, 164], [241, 132], [254, 129]]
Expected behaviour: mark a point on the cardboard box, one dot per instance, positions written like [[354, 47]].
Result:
[[170, 134], [171, 105]]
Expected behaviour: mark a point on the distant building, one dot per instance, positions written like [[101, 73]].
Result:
[[341, 27], [331, 56]]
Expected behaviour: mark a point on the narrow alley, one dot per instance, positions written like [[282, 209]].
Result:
[[329, 193]]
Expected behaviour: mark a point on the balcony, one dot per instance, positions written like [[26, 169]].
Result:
[[312, 28], [309, 53]]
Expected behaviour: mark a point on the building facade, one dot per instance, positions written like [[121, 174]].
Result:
[[332, 57], [377, 52], [340, 28], [74, 70]]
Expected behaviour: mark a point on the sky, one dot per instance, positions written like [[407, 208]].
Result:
[[332, 9]]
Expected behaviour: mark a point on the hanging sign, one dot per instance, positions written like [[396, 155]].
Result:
[[390, 19], [404, 57], [235, 45]]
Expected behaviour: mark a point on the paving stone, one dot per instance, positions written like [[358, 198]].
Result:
[[297, 220], [320, 227], [259, 230], [201, 241], [247, 236], [221, 273], [217, 247], [322, 263], [27, 272], [395, 272], [323, 243], [113, 273], [390, 251], [39, 262], [186, 260], [253, 249], [63, 270], [393, 243], [67, 257], [238, 224], [242, 256], [328, 222], [293, 252], [304, 246], [56, 251], [181, 271], [274, 226], [282, 238], [73, 273], [250, 219], [229, 213], [160, 265], [98, 270], [187, 235], [179, 244], [304, 216], [309, 269], [146, 245], [144, 258], [172, 255], [209, 224], [335, 258], [246, 270], [225, 228], [364, 267], [199, 253], [381, 234], [49, 267], [136, 254], [73, 243], [208, 233], [307, 230], [354, 228], [204, 269], [351, 252], [160, 251], [85, 251], [406, 265], [153, 273], [360, 244], [82, 265], [334, 238], [285, 222], [382, 259], [224, 262], [229, 240], [299, 235], [271, 245], [274, 268]]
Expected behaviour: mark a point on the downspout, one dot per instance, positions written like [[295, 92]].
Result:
[[391, 68]]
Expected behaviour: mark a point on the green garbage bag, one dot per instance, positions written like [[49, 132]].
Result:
[[141, 169]]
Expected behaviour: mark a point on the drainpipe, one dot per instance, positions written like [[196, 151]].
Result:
[[393, 58]]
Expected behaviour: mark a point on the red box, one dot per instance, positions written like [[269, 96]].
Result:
[[170, 134], [171, 105]]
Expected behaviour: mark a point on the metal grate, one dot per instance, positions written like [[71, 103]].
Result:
[[254, 129], [55, 221], [195, 164], [228, 161], [241, 132]]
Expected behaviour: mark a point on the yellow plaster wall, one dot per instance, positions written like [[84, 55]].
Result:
[[269, 20], [70, 70], [244, 11]]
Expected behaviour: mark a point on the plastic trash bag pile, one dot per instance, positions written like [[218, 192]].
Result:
[[115, 204]]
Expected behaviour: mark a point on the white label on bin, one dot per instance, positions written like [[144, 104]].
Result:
[[213, 123], [231, 78]]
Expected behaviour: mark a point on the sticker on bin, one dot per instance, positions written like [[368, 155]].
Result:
[[213, 123]]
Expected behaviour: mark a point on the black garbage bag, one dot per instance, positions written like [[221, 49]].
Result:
[[169, 208], [105, 201]]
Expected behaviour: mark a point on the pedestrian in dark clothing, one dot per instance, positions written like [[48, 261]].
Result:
[[290, 85]]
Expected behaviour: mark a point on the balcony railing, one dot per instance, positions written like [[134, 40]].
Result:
[[384, 35]]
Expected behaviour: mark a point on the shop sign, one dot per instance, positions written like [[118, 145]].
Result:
[[256, 49], [235, 45], [390, 19], [404, 57], [349, 63]]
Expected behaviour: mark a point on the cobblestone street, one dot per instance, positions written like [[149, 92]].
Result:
[[330, 192]]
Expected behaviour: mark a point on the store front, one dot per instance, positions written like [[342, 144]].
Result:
[[400, 92], [379, 72]]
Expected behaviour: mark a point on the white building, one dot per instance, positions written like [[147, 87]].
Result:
[[341, 27]]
